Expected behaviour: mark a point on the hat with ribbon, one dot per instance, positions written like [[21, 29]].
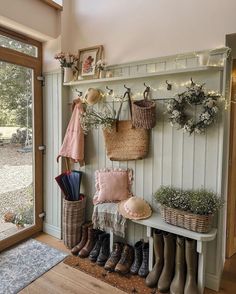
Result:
[[92, 96], [134, 208]]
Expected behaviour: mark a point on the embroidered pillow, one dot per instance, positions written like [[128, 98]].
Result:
[[112, 185]]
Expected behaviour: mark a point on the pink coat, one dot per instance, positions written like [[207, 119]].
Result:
[[73, 143]]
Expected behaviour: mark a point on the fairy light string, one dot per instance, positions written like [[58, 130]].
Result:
[[116, 97]]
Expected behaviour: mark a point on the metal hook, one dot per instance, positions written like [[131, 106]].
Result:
[[192, 82], [110, 91], [169, 86], [80, 93], [146, 91], [128, 89], [147, 87]]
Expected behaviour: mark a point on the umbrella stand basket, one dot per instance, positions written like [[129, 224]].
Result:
[[73, 218]]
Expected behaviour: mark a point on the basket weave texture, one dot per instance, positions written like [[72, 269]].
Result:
[[125, 142], [190, 221], [73, 218], [144, 114]]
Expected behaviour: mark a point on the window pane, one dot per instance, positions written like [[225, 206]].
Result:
[[16, 149], [10, 43]]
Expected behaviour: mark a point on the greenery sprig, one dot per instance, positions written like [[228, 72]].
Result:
[[92, 119], [199, 201]]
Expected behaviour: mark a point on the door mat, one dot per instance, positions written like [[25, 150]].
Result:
[[24, 263], [127, 283]]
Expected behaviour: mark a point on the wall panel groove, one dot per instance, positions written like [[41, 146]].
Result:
[[175, 158]]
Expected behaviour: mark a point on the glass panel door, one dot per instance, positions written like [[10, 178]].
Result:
[[21, 157], [17, 201]]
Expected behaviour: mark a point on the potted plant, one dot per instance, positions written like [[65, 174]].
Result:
[[67, 62], [101, 66], [190, 209]]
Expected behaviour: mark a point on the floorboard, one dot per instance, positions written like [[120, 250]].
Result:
[[63, 279]]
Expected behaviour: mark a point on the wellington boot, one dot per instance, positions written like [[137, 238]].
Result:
[[191, 262], [144, 270], [75, 250], [169, 263], [138, 258], [177, 285], [158, 244]]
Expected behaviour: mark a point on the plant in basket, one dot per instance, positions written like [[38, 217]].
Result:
[[190, 209]]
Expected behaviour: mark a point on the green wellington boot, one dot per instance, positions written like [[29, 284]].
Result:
[[191, 262], [158, 244], [169, 263], [177, 285]]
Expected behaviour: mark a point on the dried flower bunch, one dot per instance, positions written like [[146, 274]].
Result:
[[66, 59], [200, 201], [195, 95], [101, 64], [92, 118]]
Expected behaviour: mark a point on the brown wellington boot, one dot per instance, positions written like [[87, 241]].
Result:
[[169, 263], [92, 239], [158, 244], [177, 285], [191, 262], [75, 250]]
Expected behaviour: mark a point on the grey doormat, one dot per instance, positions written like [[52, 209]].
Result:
[[24, 263]]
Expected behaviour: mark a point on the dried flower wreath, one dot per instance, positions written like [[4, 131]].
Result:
[[195, 95]]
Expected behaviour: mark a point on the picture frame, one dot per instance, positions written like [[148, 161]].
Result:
[[88, 57]]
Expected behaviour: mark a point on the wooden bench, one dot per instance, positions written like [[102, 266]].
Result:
[[156, 222]]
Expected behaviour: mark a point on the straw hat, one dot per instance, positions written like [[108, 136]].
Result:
[[135, 208], [92, 96]]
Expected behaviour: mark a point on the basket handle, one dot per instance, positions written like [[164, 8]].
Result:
[[127, 93], [146, 92]]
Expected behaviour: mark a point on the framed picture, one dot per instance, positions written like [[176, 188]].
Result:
[[88, 57]]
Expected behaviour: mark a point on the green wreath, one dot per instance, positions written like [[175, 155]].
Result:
[[195, 95]]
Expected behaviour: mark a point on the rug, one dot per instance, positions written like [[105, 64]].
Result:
[[22, 264], [127, 283]]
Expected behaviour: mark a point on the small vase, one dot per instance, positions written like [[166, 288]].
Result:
[[109, 74], [68, 74], [102, 74]]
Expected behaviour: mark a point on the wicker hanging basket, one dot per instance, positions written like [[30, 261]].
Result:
[[144, 112], [190, 221], [125, 142], [73, 218]]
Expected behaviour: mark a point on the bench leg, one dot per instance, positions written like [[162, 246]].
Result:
[[201, 249], [111, 240], [150, 239]]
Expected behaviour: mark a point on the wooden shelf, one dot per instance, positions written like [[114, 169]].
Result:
[[156, 222], [145, 75]]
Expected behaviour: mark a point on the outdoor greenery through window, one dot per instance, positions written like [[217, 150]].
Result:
[[16, 146], [10, 43]]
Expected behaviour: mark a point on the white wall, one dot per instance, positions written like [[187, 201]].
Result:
[[138, 29], [31, 17]]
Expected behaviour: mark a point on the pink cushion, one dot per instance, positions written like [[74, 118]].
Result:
[[112, 185]]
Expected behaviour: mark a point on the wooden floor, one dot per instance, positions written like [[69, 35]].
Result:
[[63, 279]]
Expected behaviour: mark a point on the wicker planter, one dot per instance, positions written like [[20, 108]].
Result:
[[73, 218], [190, 221]]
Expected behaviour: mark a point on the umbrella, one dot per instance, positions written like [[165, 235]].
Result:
[[69, 182]]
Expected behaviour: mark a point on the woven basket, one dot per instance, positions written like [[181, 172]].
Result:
[[144, 114], [124, 142], [73, 218], [190, 221]]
